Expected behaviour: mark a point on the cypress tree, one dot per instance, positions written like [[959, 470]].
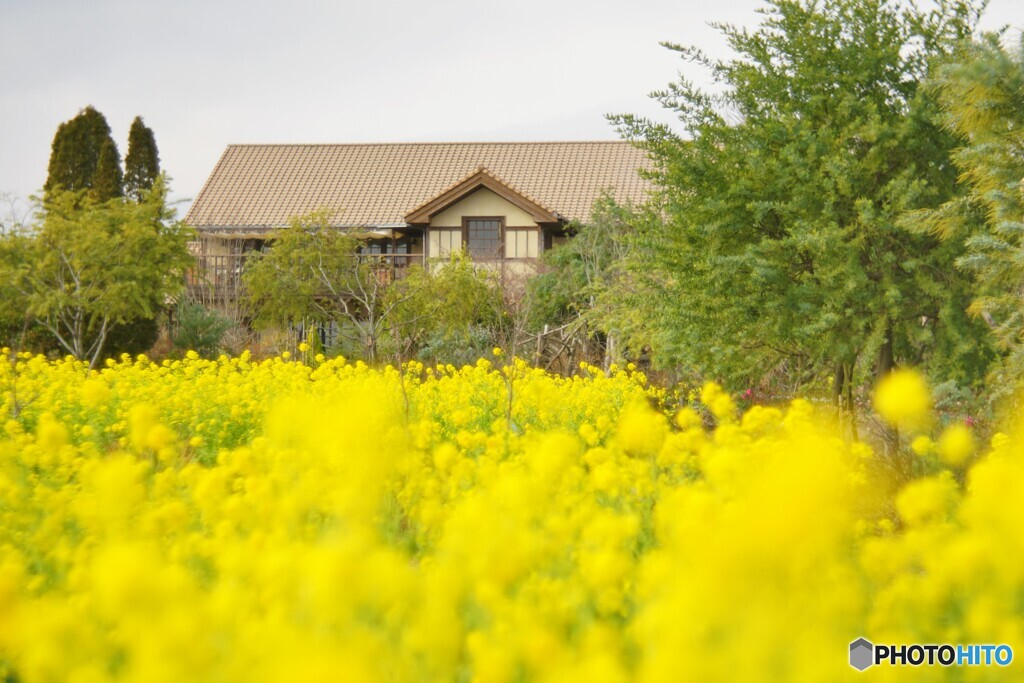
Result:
[[76, 152], [108, 180], [142, 162]]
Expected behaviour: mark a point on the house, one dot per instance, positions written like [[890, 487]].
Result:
[[504, 203]]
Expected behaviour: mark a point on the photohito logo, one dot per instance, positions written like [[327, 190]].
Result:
[[861, 654], [864, 654]]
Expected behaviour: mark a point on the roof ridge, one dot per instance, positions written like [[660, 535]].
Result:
[[424, 144]]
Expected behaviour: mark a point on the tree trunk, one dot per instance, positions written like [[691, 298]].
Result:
[[885, 355], [371, 348], [842, 398], [851, 407], [609, 352], [885, 365], [837, 386], [541, 338]]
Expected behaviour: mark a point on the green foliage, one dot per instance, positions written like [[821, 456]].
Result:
[[303, 275], [18, 329], [133, 336], [199, 329], [463, 347], [84, 154], [447, 313], [982, 96], [108, 181], [314, 272], [580, 269], [91, 265], [142, 162], [778, 247], [13, 310], [586, 285]]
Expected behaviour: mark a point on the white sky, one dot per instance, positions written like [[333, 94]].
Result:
[[206, 73]]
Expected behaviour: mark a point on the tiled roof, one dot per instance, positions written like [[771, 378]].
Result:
[[262, 186]]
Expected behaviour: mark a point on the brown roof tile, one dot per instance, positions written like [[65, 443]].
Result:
[[378, 184]]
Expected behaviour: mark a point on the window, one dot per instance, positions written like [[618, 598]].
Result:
[[520, 242], [445, 242], [483, 237]]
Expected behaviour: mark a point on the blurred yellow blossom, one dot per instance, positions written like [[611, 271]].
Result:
[[956, 444], [718, 402], [245, 519], [903, 399]]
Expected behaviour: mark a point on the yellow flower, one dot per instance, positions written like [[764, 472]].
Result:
[[641, 430], [687, 418], [903, 400], [343, 521], [956, 445], [94, 392], [718, 402], [927, 500], [922, 445]]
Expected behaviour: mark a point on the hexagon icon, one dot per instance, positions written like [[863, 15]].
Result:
[[862, 654]]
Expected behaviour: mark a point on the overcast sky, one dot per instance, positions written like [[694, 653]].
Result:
[[205, 73]]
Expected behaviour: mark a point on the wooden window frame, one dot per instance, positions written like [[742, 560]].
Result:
[[501, 235], [535, 229]]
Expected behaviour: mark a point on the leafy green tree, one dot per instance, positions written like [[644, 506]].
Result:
[[313, 272], [15, 322], [90, 265], [84, 155], [586, 291], [982, 97], [142, 162], [447, 312], [19, 331], [780, 251]]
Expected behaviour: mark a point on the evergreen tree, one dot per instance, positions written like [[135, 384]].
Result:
[[108, 180], [76, 153], [779, 251], [142, 162]]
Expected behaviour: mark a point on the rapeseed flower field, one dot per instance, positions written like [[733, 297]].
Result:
[[310, 519]]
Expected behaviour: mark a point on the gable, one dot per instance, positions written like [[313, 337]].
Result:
[[481, 178], [481, 202]]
